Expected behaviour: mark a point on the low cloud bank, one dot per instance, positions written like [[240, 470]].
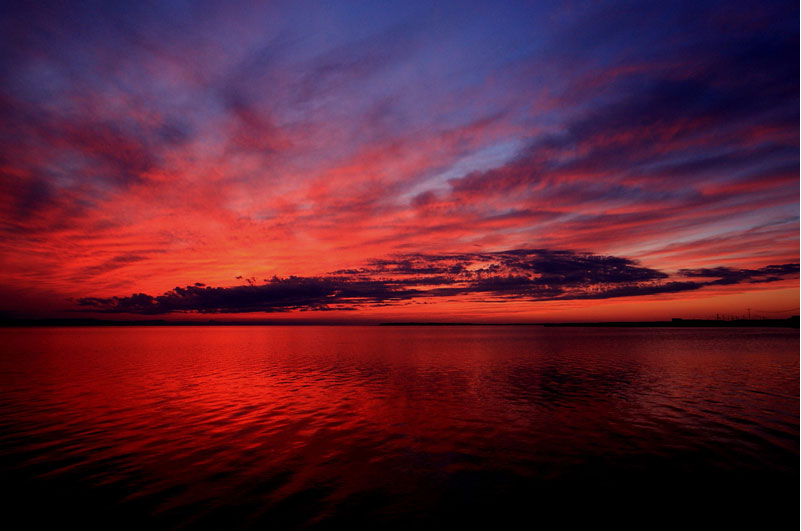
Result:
[[520, 274]]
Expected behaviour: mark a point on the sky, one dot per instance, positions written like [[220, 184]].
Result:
[[360, 161]]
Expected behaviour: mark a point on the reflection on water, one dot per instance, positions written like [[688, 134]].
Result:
[[382, 427]]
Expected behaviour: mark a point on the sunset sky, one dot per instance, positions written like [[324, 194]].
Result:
[[360, 161]]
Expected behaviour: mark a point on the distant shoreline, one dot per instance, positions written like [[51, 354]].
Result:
[[791, 322]]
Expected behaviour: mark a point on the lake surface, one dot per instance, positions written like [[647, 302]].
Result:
[[385, 427]]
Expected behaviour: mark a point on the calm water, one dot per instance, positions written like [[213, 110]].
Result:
[[288, 427]]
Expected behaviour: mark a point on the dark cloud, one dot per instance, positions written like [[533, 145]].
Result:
[[276, 295], [727, 275], [522, 274]]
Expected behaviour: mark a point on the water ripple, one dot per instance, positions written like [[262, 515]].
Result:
[[321, 427]]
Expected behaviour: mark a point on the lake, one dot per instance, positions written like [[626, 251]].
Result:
[[397, 427]]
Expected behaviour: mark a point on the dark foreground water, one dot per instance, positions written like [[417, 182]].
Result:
[[375, 427]]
